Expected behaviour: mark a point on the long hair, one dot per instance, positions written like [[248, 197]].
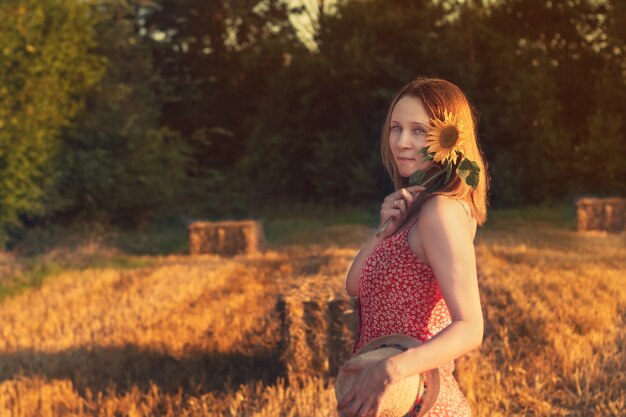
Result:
[[438, 95]]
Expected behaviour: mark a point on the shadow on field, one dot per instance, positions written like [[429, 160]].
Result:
[[125, 367]]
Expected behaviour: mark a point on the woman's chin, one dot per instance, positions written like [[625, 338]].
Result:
[[409, 172]]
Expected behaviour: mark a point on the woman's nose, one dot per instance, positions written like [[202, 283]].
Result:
[[404, 141]]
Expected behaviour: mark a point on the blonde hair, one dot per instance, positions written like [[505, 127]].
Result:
[[438, 95]]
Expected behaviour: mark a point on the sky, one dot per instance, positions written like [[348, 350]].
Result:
[[305, 22]]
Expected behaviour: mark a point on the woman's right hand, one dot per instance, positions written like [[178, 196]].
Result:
[[404, 198]]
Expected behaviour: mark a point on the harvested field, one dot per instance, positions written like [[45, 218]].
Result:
[[201, 335]]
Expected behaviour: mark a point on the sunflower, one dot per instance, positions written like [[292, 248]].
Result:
[[447, 137], [444, 143]]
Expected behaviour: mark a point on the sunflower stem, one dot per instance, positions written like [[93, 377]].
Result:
[[433, 177]]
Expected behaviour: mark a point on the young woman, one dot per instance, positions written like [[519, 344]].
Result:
[[418, 278]]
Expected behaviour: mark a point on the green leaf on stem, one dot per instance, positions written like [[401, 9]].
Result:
[[427, 156], [417, 177], [469, 171], [448, 171]]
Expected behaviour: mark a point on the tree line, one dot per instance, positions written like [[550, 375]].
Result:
[[115, 110]]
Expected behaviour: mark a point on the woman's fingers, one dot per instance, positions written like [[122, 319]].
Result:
[[395, 206], [354, 408], [410, 193], [400, 205], [352, 365], [393, 213], [346, 400], [352, 405], [366, 410], [405, 198], [407, 194]]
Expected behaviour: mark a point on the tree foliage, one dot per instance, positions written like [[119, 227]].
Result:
[[113, 109], [118, 162], [46, 68]]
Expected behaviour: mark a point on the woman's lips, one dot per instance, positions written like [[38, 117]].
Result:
[[406, 159]]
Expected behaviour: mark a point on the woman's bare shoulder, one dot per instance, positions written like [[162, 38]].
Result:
[[440, 204], [443, 212]]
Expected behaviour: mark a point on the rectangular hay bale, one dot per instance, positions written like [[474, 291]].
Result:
[[317, 334], [226, 238], [607, 214]]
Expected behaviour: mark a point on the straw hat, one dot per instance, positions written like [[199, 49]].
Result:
[[401, 398]]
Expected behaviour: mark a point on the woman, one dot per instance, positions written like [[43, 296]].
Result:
[[418, 277]]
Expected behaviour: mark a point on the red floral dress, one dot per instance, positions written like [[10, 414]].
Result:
[[398, 293]]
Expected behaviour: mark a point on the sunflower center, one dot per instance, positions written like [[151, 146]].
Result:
[[448, 137]]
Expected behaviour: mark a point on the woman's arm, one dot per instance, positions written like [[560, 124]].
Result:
[[352, 280], [449, 249]]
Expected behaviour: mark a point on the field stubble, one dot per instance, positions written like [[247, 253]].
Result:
[[198, 336]]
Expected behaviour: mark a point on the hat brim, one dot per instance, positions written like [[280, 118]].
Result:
[[392, 339]]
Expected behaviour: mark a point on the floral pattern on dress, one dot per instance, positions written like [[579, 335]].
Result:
[[399, 293]]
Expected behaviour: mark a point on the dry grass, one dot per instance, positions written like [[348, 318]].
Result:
[[555, 308], [198, 336]]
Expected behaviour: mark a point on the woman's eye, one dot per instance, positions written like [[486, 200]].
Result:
[[418, 131]]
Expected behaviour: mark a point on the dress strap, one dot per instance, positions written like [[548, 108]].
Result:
[[412, 223], [468, 214]]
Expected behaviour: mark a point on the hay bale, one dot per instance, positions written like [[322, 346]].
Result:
[[226, 238], [607, 214], [342, 331], [317, 333]]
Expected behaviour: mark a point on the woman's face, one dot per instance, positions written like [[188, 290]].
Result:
[[408, 126]]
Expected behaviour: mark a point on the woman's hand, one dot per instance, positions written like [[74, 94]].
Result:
[[370, 386], [396, 206]]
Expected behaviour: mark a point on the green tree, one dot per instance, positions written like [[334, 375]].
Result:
[[526, 65], [47, 65], [536, 62], [324, 111], [217, 58], [305, 125], [118, 162]]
